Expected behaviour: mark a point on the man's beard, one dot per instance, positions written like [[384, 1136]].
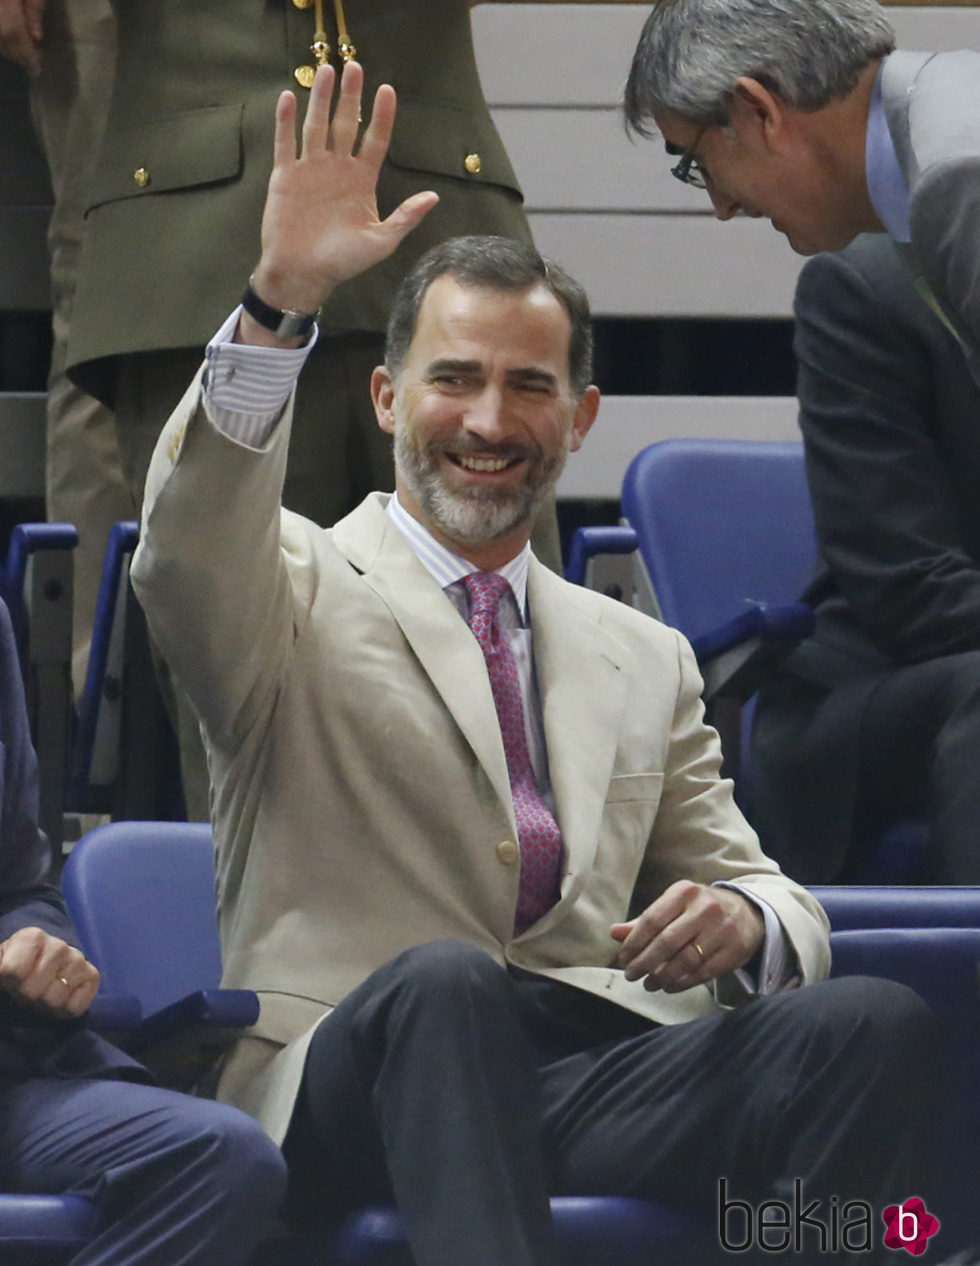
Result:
[[477, 515]]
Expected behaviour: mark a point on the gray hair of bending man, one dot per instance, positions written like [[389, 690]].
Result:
[[809, 52], [491, 263]]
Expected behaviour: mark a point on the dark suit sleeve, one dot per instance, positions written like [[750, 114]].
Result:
[[26, 898], [869, 351]]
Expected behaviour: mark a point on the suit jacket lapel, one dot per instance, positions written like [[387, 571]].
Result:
[[432, 626], [583, 693], [579, 674]]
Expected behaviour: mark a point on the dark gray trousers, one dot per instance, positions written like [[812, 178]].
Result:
[[468, 1094], [832, 768]]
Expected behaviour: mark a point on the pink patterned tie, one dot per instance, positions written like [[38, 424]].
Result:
[[539, 834]]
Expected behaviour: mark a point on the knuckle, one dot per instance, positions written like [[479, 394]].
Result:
[[671, 941]]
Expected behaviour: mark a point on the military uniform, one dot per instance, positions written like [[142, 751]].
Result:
[[83, 480], [173, 226]]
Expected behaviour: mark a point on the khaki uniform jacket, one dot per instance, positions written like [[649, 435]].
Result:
[[361, 794], [172, 230]]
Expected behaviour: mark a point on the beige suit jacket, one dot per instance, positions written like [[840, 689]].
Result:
[[360, 785]]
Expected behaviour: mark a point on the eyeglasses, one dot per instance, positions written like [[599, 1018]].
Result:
[[690, 170]]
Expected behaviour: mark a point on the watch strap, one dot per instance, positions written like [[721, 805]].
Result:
[[283, 322]]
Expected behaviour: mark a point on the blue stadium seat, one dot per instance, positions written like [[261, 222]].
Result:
[[141, 895], [43, 1230]]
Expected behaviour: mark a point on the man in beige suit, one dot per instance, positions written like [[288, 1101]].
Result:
[[501, 911]]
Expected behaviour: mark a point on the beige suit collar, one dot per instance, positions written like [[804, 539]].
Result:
[[433, 628], [578, 666]]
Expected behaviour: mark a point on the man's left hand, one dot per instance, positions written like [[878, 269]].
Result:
[[691, 934], [48, 973]]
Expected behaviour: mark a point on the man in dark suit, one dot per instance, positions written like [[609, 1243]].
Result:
[[174, 1178], [878, 714], [803, 112]]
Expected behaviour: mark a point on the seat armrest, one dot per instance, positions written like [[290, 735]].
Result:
[[115, 1012], [30, 538], [940, 964], [218, 1008], [789, 621], [853, 907], [182, 1043], [736, 657]]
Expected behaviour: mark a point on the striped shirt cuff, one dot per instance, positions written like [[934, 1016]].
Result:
[[245, 387], [775, 970]]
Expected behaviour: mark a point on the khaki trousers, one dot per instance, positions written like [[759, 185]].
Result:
[[84, 483]]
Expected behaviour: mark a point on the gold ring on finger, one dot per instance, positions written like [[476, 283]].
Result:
[[67, 984], [699, 950]]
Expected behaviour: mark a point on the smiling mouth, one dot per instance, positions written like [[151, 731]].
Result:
[[482, 465]]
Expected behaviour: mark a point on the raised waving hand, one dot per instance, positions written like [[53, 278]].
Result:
[[321, 224]]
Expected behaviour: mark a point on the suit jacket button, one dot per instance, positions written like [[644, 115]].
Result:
[[473, 163], [142, 177], [507, 852]]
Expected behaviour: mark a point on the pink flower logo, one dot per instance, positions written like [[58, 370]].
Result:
[[909, 1225]]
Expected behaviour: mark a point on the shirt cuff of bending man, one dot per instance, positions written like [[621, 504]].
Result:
[[245, 391]]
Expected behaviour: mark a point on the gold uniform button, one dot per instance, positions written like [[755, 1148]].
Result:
[[303, 4], [507, 852], [142, 177], [304, 76], [473, 163]]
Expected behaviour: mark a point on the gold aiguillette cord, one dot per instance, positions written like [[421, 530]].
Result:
[[344, 44], [320, 48]]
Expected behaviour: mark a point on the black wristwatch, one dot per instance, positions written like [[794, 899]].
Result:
[[283, 322]]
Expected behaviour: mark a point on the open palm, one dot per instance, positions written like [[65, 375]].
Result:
[[321, 223]]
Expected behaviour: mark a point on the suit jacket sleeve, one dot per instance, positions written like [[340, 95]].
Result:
[[193, 579], [26, 899], [882, 498]]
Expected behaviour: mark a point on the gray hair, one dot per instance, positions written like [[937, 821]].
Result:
[[809, 52], [494, 263]]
